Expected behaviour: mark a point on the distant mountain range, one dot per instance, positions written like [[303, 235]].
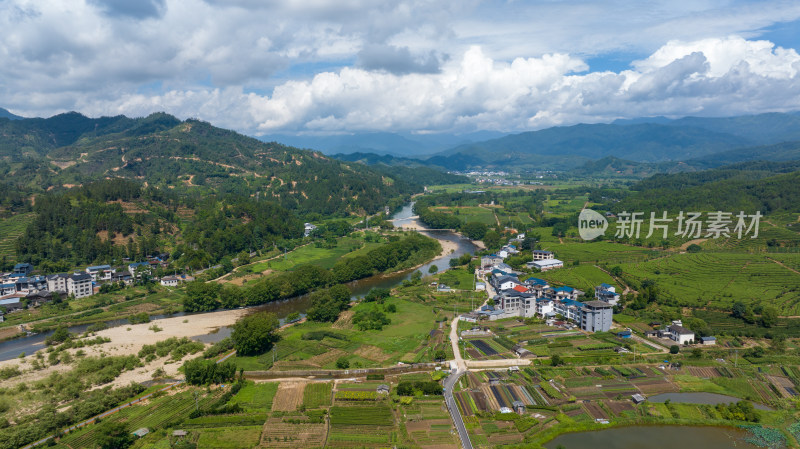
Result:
[[396, 144], [195, 158], [4, 113], [638, 147]]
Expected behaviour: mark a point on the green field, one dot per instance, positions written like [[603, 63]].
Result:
[[583, 277], [600, 252], [379, 415], [240, 437], [317, 394], [256, 396], [717, 280], [396, 342], [310, 254]]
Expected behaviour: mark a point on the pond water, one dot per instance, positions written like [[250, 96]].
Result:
[[700, 398], [13, 348], [661, 437]]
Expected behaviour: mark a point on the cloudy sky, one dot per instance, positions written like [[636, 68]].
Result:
[[333, 66]]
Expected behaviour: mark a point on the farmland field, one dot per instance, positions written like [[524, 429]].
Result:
[[317, 394], [378, 415], [289, 396], [256, 396], [241, 437], [717, 280]]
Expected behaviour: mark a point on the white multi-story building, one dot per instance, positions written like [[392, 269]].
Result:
[[80, 285]]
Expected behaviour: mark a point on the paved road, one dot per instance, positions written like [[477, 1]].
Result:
[[450, 383]]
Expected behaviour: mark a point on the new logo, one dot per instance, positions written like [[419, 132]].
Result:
[[591, 224]]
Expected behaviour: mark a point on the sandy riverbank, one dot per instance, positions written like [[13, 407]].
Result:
[[447, 245], [128, 340]]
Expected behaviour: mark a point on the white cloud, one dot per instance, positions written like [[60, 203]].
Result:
[[267, 66]]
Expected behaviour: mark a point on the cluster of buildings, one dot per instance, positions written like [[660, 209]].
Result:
[[22, 285], [534, 297]]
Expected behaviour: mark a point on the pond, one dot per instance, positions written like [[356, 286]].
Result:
[[700, 398], [662, 437]]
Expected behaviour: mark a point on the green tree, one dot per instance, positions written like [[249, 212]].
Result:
[[433, 269], [243, 258], [231, 296], [342, 363], [204, 372], [616, 271], [492, 239], [474, 230], [769, 316], [697, 353], [201, 296], [114, 435], [556, 360], [255, 333], [674, 349]]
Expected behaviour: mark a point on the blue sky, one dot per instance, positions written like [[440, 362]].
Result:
[[319, 67]]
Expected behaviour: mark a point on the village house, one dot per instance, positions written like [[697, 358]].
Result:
[[539, 254], [308, 228], [545, 265], [136, 269], [170, 281], [100, 272], [23, 269], [680, 334], [57, 282], [79, 285], [30, 284], [565, 292], [490, 260], [8, 289], [505, 282], [607, 293]]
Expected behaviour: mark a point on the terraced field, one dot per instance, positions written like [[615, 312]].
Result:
[[10, 230], [717, 280]]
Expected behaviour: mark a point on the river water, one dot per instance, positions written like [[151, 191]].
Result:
[[32, 343]]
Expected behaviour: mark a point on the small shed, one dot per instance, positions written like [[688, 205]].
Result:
[[518, 407], [382, 389], [180, 433], [637, 398], [139, 433], [708, 340]]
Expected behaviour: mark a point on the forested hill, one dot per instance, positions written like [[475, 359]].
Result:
[[194, 157], [769, 187]]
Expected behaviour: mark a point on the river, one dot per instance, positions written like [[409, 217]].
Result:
[[661, 437], [13, 348]]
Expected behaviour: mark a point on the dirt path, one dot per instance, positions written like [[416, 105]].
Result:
[[783, 265], [692, 242], [627, 288]]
